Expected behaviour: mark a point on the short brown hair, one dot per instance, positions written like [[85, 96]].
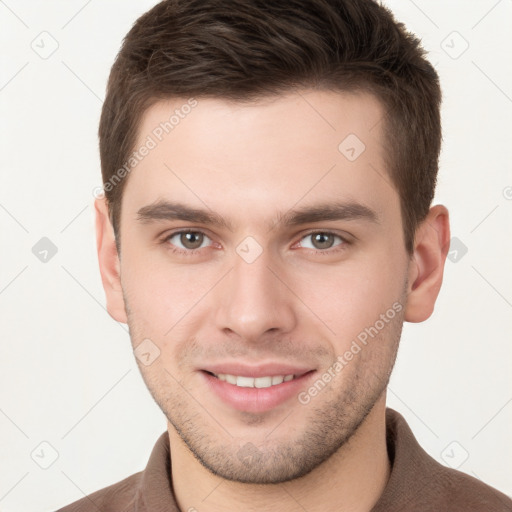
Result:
[[243, 50]]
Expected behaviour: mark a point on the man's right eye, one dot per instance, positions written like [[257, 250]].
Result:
[[187, 241]]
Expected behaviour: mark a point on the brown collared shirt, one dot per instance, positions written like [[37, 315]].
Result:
[[417, 483]]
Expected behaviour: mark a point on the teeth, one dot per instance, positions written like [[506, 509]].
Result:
[[251, 382], [263, 382], [245, 382], [231, 379]]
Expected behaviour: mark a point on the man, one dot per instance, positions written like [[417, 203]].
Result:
[[267, 228]]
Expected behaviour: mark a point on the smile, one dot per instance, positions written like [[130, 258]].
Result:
[[256, 394], [254, 382]]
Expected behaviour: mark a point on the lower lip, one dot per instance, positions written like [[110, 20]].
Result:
[[256, 399]]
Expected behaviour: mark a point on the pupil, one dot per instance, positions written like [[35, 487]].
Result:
[[323, 241], [192, 240]]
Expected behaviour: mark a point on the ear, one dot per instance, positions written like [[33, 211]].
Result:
[[426, 267], [108, 259]]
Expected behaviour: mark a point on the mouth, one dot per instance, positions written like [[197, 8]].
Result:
[[254, 382], [256, 393]]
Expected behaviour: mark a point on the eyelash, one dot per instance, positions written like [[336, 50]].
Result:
[[192, 252]]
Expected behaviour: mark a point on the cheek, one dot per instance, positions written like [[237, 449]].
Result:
[[351, 296], [160, 294]]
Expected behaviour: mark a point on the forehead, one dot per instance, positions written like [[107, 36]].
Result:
[[269, 154]]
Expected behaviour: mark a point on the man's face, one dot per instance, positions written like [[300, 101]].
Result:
[[260, 296]]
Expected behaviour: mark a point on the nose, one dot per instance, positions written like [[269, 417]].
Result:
[[254, 301]]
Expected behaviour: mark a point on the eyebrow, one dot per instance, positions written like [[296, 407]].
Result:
[[166, 210]]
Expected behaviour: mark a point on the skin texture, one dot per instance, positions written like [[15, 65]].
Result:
[[299, 302]]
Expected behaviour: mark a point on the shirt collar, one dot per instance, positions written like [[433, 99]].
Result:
[[411, 467]]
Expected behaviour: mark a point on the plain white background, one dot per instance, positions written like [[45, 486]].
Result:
[[68, 376]]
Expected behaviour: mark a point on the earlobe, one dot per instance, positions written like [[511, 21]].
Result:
[[109, 263], [426, 267]]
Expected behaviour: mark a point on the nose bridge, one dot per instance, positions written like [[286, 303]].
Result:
[[253, 300]]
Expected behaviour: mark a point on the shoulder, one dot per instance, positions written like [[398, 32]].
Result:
[[117, 497], [419, 482], [139, 491], [462, 492]]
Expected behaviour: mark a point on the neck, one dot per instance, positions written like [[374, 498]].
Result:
[[351, 480]]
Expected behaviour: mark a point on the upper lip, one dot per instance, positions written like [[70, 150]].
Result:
[[261, 370]]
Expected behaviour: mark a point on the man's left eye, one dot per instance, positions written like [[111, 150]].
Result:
[[321, 240]]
